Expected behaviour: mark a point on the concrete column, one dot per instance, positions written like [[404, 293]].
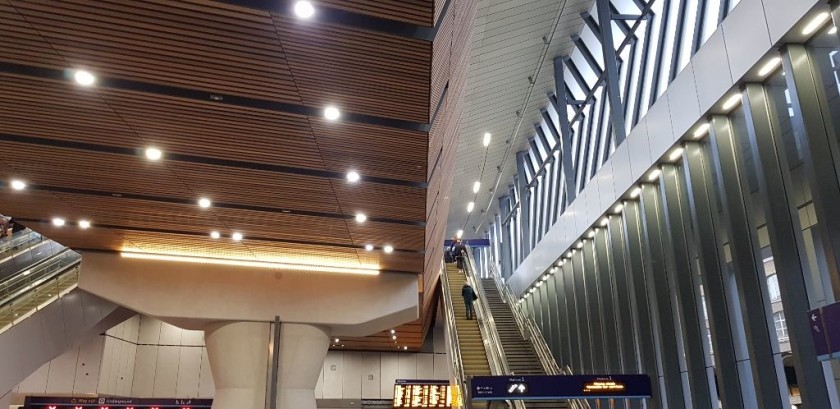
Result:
[[238, 353], [302, 352]]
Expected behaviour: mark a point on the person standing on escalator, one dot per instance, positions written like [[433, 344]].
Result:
[[469, 296]]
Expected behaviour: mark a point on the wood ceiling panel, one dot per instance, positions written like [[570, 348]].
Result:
[[59, 110], [144, 41], [379, 234], [216, 130], [358, 71], [380, 200], [410, 11], [285, 226], [22, 43], [372, 151]]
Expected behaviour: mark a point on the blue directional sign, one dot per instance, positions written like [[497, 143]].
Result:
[[550, 387], [815, 320], [831, 324]]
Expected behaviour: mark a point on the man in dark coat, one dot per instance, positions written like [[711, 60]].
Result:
[[469, 296]]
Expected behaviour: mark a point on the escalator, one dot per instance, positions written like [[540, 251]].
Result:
[[42, 312], [473, 355]]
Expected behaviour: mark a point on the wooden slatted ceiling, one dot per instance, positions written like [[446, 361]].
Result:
[[220, 48], [411, 11], [361, 71]]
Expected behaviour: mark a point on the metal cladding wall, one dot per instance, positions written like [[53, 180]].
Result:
[[696, 250]]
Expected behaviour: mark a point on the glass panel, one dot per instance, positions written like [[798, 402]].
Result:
[[710, 24], [689, 24]]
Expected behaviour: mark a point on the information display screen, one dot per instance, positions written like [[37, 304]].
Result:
[[422, 394], [61, 402], [544, 387]]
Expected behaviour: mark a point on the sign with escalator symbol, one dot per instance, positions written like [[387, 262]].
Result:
[[517, 388]]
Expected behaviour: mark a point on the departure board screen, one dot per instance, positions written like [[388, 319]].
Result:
[[422, 394]]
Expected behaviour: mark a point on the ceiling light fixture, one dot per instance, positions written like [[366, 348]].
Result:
[[304, 9], [635, 192], [618, 208], [604, 222], [215, 234], [204, 203], [459, 234], [393, 331], [18, 184], [470, 206], [236, 236], [487, 137], [58, 222], [153, 154], [653, 175], [360, 217], [332, 113], [84, 78], [701, 130], [476, 186], [336, 340], [579, 244], [676, 154], [731, 102], [833, 30], [590, 234], [394, 337], [251, 263], [816, 23], [770, 66], [388, 249], [353, 176], [539, 284], [368, 247], [405, 348], [84, 224]]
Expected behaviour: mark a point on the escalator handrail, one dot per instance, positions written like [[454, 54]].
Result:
[[37, 276], [454, 342]]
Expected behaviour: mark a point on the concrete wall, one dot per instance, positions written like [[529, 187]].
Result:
[[144, 357]]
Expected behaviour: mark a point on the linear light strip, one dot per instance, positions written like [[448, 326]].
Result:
[[251, 263]]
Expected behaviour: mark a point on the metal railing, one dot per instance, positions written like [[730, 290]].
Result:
[[37, 286], [531, 331], [453, 342], [19, 243]]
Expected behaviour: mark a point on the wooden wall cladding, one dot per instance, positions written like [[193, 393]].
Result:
[[234, 96]]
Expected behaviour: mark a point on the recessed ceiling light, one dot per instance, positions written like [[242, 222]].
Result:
[[353, 176], [304, 9], [153, 154], [18, 184], [579, 244], [204, 202], [618, 208], [215, 234], [591, 234], [236, 236], [58, 222], [388, 249], [833, 30], [605, 221], [336, 340], [653, 175], [360, 217], [635, 192], [84, 224], [770, 66], [539, 284], [569, 254], [405, 348], [459, 234], [816, 23], [470, 206], [84, 78], [676, 154], [393, 337], [332, 113], [487, 137], [701, 130], [393, 331], [368, 247], [732, 101], [476, 186]]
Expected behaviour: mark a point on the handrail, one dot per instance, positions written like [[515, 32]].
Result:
[[530, 331], [37, 274], [454, 344], [19, 243]]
